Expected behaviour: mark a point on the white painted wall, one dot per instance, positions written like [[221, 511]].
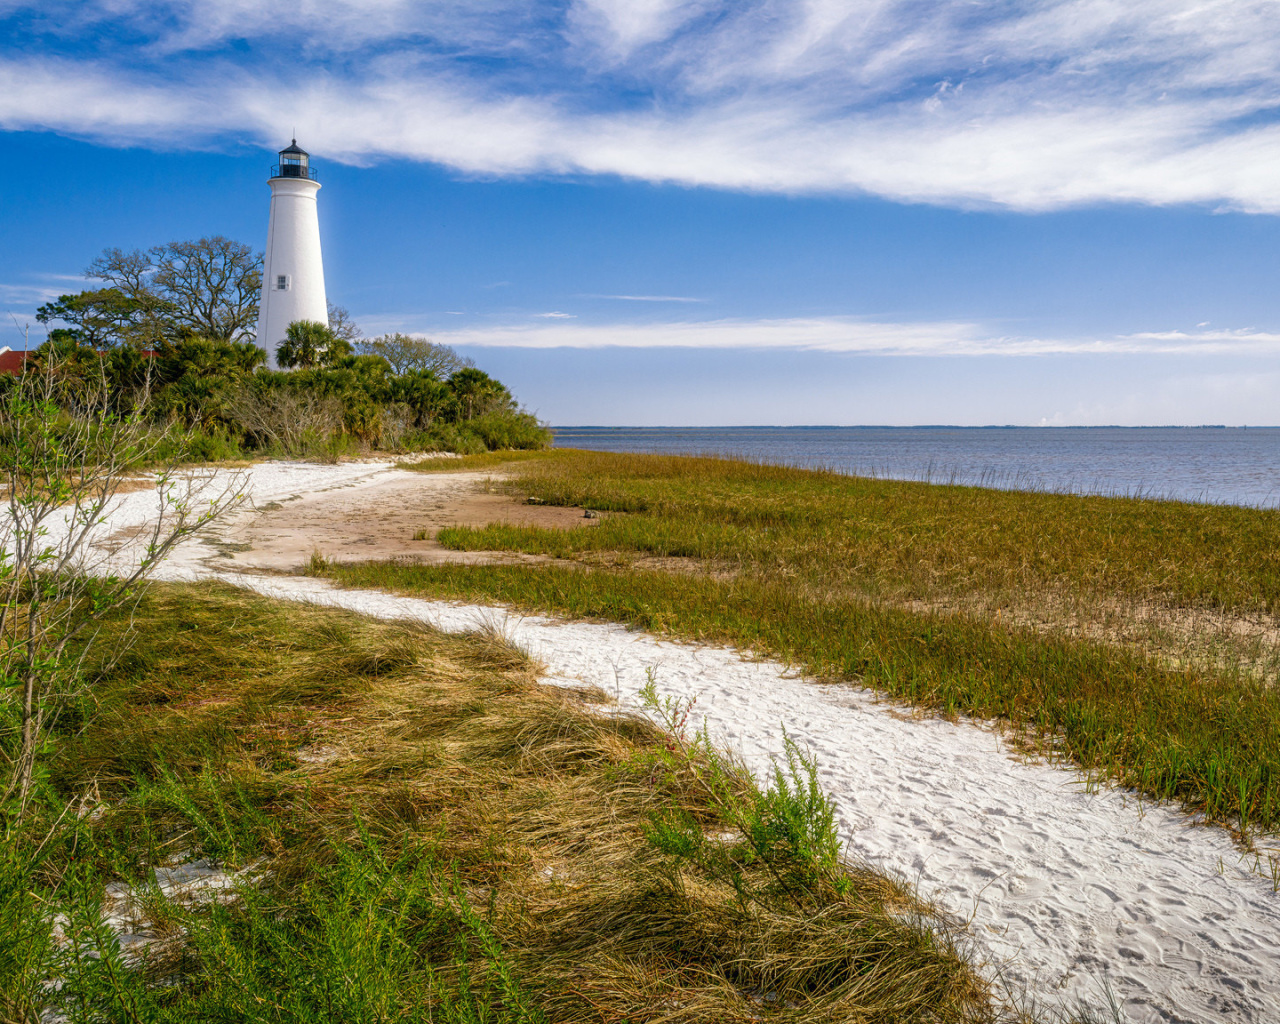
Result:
[[293, 250]]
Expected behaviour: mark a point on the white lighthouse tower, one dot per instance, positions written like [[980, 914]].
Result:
[[293, 273]]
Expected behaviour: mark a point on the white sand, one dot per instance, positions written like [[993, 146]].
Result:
[[1071, 894]]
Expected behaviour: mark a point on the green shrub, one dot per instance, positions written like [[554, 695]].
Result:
[[214, 444], [445, 437], [504, 429], [218, 403]]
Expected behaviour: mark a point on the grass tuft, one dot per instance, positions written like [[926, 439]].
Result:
[[900, 586], [425, 832]]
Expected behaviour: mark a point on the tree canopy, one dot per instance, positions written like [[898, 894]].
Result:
[[209, 287], [405, 353], [107, 317], [308, 344], [171, 331]]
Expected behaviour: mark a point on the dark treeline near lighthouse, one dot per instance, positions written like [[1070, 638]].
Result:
[[172, 329]]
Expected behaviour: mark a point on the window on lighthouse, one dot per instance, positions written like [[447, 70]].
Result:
[[282, 282]]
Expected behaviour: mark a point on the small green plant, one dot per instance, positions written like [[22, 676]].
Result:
[[787, 826], [98, 982], [221, 819], [794, 815], [370, 937], [26, 925]]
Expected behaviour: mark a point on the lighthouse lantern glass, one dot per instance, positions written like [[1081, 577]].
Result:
[[293, 163]]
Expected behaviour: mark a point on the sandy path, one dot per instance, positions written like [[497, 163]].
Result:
[[365, 511], [1072, 894]]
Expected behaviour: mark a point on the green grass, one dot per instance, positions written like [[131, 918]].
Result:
[[425, 833], [911, 540], [818, 569], [480, 460], [1210, 742]]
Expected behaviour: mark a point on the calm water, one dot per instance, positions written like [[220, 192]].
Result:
[[1233, 465]]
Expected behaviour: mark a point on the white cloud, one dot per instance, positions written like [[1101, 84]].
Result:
[[102, 102], [851, 335], [827, 335], [1029, 106], [620, 27], [30, 294]]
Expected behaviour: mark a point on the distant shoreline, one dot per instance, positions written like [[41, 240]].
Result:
[[921, 426], [1211, 463]]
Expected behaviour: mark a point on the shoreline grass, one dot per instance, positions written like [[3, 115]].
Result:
[[904, 539], [820, 567], [423, 831], [1212, 744]]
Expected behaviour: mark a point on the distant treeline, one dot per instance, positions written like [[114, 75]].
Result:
[[172, 330]]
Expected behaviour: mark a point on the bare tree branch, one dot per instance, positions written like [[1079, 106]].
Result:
[[210, 287], [58, 579], [405, 353]]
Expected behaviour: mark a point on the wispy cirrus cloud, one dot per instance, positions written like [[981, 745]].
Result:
[[20, 300], [1027, 106], [857, 336]]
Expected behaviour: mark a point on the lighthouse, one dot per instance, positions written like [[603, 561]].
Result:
[[293, 273]]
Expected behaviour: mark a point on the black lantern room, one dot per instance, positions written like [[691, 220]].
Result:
[[295, 162]]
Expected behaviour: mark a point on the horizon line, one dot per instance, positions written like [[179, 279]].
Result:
[[919, 426]]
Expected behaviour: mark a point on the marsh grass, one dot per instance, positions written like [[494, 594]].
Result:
[[423, 832], [901, 539], [1209, 742], [900, 586], [475, 460]]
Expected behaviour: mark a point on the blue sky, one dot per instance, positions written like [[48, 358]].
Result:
[[688, 212]]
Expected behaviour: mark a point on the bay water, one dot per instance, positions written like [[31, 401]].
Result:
[[1231, 465]]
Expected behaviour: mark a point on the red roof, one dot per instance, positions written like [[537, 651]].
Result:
[[11, 362]]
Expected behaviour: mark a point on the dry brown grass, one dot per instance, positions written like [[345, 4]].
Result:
[[1136, 637], [305, 729]]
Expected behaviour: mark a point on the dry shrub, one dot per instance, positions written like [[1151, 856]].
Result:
[[293, 421], [399, 424]]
